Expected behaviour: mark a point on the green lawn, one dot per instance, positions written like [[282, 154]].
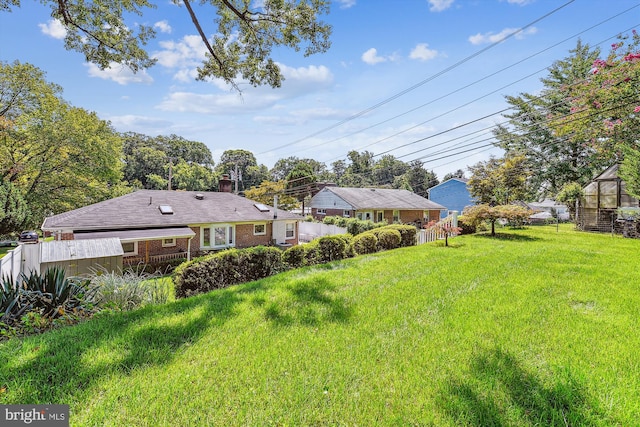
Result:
[[536, 327]]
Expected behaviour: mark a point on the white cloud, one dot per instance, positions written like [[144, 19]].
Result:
[[298, 82], [53, 28], [493, 38], [422, 52], [346, 4], [519, 2], [119, 74], [371, 57], [184, 53], [439, 5], [132, 122], [163, 26]]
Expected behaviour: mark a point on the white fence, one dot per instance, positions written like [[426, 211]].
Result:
[[433, 234], [10, 264], [312, 230]]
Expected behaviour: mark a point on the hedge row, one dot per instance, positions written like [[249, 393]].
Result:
[[234, 266]]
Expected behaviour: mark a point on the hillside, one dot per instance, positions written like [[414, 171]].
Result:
[[535, 327]]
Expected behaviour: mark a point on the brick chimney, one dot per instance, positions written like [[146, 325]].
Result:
[[224, 184]]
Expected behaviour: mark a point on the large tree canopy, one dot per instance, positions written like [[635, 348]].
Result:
[[245, 33], [58, 156]]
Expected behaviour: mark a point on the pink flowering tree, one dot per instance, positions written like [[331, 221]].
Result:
[[605, 109], [445, 228]]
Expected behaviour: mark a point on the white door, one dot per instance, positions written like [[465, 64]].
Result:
[[279, 232]]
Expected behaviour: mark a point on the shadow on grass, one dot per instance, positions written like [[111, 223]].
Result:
[[54, 367], [508, 236], [309, 302], [500, 392]]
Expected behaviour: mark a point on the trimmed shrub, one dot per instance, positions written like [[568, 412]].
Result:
[[365, 243], [348, 241], [387, 238], [226, 268], [294, 257], [330, 248], [407, 233]]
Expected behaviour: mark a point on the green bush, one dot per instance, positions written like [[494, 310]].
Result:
[[407, 233], [330, 248], [365, 243], [348, 241], [294, 257], [226, 268], [387, 238], [466, 226]]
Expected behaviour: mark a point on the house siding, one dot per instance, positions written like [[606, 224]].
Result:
[[453, 194]]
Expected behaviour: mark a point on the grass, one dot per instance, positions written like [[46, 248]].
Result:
[[534, 327]]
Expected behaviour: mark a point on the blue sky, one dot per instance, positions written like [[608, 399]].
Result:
[[400, 78]]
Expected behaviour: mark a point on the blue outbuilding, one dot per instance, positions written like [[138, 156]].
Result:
[[452, 193]]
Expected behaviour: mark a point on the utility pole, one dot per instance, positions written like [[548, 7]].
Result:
[[170, 172]]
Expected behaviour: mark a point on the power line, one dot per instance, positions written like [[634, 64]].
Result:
[[423, 82]]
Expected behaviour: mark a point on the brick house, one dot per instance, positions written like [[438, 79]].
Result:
[[375, 204], [159, 225]]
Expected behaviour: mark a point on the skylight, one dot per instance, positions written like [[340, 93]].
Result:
[[261, 207], [165, 210]]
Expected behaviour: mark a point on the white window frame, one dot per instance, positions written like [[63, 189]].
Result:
[[322, 211], [363, 215], [230, 235], [170, 244], [379, 216], [264, 229], [346, 213], [135, 248], [396, 215], [293, 230]]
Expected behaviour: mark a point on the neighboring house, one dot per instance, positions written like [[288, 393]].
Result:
[[597, 210], [375, 204], [158, 225], [551, 207], [452, 193]]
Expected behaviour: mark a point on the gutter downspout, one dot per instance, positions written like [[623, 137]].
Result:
[[189, 248]]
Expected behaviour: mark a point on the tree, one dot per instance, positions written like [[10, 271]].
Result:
[[500, 181], [556, 158], [387, 169], [250, 174], [13, 208], [146, 156], [419, 179], [605, 110], [569, 194], [283, 167], [59, 157], [266, 191], [192, 176], [483, 212], [444, 228], [245, 34], [457, 174]]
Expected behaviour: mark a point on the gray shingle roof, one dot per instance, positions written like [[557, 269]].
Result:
[[141, 209], [383, 198]]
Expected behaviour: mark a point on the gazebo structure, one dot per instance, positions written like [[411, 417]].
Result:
[[597, 210]]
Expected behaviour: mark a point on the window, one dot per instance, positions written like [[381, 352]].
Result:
[[290, 230], [366, 216], [259, 229], [396, 216], [130, 248], [322, 211], [346, 214], [379, 216], [167, 243], [217, 236], [425, 215]]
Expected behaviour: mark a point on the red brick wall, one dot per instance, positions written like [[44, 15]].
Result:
[[245, 237]]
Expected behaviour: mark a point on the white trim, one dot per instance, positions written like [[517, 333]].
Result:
[[260, 233], [170, 244], [135, 249], [229, 236], [293, 230]]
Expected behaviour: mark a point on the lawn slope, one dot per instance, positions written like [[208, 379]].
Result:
[[535, 327]]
